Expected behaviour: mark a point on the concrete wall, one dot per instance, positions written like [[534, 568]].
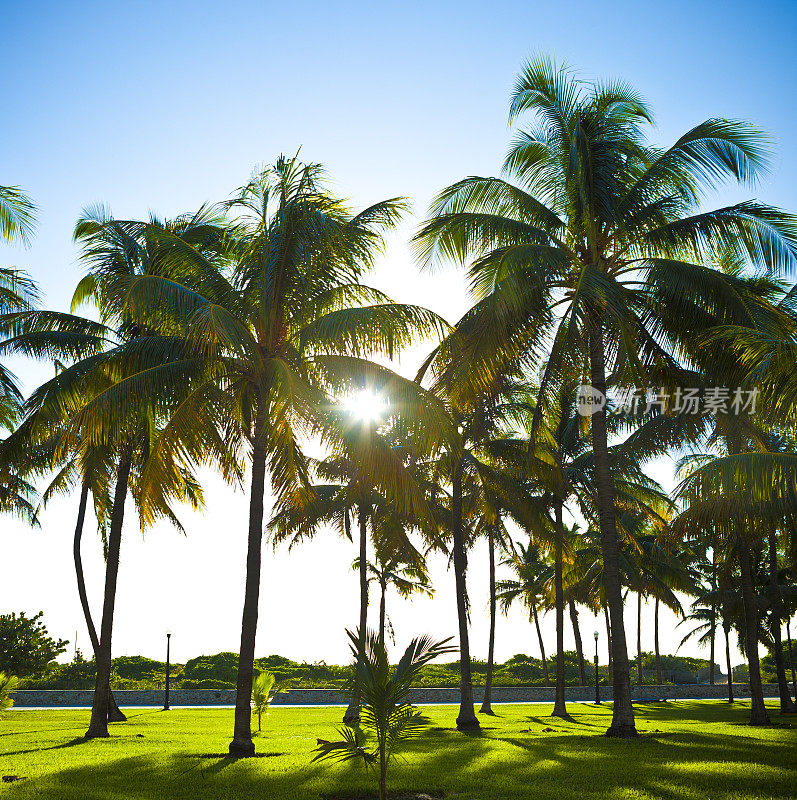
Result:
[[36, 698]]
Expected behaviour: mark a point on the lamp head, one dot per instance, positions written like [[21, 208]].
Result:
[[595, 635]]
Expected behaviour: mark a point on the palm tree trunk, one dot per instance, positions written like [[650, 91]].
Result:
[[382, 612], [622, 709], [582, 674], [352, 714], [610, 674], [713, 631], [758, 710], [466, 720], [535, 618], [559, 706], [98, 726], [242, 744], [486, 707], [656, 641], [639, 639], [729, 667], [786, 704], [114, 712], [791, 658]]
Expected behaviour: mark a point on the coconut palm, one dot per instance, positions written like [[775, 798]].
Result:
[[388, 719], [602, 236], [264, 690], [270, 311]]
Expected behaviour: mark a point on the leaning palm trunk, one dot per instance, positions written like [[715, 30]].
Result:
[[382, 611], [536, 620], [98, 726], [758, 710], [559, 706], [622, 710], [486, 707], [352, 713], [786, 704], [241, 744], [114, 712], [656, 641], [467, 715], [728, 661], [582, 675], [713, 631]]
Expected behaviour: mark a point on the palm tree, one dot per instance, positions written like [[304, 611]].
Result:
[[531, 573], [398, 564], [270, 310], [601, 236], [388, 718]]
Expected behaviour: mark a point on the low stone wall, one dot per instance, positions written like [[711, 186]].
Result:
[[81, 698]]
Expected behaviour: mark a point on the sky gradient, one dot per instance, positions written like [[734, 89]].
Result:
[[161, 107]]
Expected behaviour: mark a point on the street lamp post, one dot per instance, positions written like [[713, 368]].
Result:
[[597, 684], [166, 696]]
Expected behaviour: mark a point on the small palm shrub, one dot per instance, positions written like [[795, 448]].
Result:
[[264, 689], [386, 717], [8, 684]]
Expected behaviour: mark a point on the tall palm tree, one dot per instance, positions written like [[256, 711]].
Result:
[[602, 235], [272, 314]]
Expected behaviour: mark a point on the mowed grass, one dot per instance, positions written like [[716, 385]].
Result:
[[686, 750]]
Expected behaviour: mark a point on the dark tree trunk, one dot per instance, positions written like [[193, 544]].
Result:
[[791, 658], [488, 682], [656, 640], [609, 676], [712, 653], [758, 710], [535, 618], [639, 639], [466, 720], [582, 673], [622, 709], [114, 712], [382, 612], [729, 666], [242, 744], [352, 714], [98, 726], [786, 704], [559, 706]]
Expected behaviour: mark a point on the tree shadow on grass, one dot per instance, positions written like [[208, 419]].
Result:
[[70, 743]]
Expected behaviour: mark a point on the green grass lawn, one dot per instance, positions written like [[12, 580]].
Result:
[[687, 749]]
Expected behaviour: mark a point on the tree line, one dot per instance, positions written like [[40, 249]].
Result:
[[615, 318]]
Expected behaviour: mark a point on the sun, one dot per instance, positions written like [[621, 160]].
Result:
[[367, 406]]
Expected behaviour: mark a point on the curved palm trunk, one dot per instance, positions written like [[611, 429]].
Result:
[[486, 707], [791, 658], [352, 713], [466, 720], [582, 674], [559, 706], [114, 712], [786, 704], [535, 618], [242, 744], [639, 639], [728, 662], [98, 726], [758, 710], [656, 641], [622, 710]]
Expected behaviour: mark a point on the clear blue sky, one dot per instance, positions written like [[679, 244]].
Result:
[[162, 106]]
